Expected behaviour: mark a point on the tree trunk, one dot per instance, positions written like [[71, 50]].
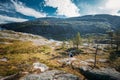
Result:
[[95, 56]]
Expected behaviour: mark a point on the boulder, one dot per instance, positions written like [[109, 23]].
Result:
[[51, 75], [67, 61], [100, 74], [11, 77], [40, 66]]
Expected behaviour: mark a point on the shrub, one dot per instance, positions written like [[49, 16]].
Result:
[[115, 60]]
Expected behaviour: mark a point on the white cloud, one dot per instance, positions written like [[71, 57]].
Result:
[[5, 19], [88, 9], [21, 8], [113, 6], [64, 7], [6, 7], [105, 7]]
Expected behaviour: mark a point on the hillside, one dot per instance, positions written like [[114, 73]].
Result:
[[31, 57], [62, 28]]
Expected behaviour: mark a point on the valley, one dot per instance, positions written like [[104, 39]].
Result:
[[66, 28], [77, 48]]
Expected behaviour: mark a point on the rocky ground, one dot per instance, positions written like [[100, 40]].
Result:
[[52, 65], [38, 40]]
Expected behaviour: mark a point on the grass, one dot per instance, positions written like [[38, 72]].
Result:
[[8, 40], [20, 62], [23, 47], [22, 54]]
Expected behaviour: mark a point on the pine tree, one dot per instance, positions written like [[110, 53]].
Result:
[[77, 40]]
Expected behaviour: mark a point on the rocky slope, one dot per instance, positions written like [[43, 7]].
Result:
[[61, 28]]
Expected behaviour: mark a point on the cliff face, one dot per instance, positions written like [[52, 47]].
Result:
[[58, 28]]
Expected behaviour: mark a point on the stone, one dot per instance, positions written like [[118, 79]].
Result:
[[11, 77], [67, 61], [103, 60], [90, 60], [65, 77], [4, 59], [100, 74], [51, 75], [40, 66], [0, 77], [84, 63], [99, 60]]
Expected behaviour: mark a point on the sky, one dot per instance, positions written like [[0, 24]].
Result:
[[24, 10]]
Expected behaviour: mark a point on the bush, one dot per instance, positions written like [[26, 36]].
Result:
[[75, 51], [115, 60]]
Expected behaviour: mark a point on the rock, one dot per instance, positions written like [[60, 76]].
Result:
[[0, 77], [24, 73], [5, 43], [100, 74], [90, 60], [84, 63], [40, 66], [103, 60], [67, 60], [11, 77], [51, 75], [77, 64], [85, 68], [99, 60], [4, 59], [66, 77]]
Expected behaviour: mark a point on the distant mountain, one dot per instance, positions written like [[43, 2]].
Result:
[[58, 28]]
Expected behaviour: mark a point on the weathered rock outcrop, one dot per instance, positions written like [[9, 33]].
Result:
[[11, 77], [100, 74], [51, 75]]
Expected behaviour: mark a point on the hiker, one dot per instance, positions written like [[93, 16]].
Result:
[[70, 54]]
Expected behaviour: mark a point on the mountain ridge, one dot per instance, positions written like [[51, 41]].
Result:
[[57, 28]]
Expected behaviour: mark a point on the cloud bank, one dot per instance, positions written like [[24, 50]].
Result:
[[21, 8], [113, 6], [5, 19], [104, 7], [64, 7]]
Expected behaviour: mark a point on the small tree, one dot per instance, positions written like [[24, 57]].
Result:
[[89, 39], [70, 43], [116, 38], [63, 46], [110, 33], [77, 40]]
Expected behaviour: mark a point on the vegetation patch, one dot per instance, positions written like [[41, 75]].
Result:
[[23, 47]]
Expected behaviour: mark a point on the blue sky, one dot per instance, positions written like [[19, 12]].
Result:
[[23, 10]]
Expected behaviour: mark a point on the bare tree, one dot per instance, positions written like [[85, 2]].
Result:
[[95, 58]]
